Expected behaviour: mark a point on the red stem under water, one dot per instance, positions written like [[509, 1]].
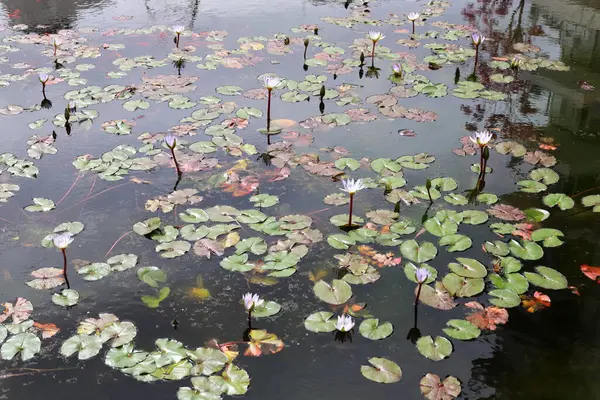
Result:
[[69, 191], [115, 243]]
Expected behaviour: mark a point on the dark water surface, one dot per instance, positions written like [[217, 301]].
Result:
[[551, 354]]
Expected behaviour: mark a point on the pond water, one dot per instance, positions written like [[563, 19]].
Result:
[[118, 62]]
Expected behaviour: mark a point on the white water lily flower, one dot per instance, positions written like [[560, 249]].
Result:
[[481, 138], [170, 140], [178, 29], [422, 274], [352, 186], [344, 323], [271, 82], [515, 62], [477, 38], [376, 36], [413, 16], [397, 69], [252, 301], [44, 78], [63, 240], [57, 42]]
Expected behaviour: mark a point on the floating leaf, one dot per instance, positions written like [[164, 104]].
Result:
[[338, 292], [173, 249], [506, 212], [66, 298], [202, 389], [255, 245], [267, 309], [592, 201], [320, 321], [264, 200], [435, 350], [461, 329], [561, 200], [152, 276], [440, 228], [40, 205], [94, 271], [504, 298], [463, 287], [547, 278], [497, 248], [526, 250], [339, 241], [529, 186], [26, 344], [147, 226], [87, 346], [46, 278], [237, 263], [122, 262], [418, 253], [344, 163], [381, 370], [262, 343], [437, 297], [154, 301], [433, 388], [549, 236], [119, 332], [456, 242], [468, 268], [511, 281], [372, 329], [124, 357]]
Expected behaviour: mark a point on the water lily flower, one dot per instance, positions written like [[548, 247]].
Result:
[[376, 36], [170, 140], [398, 70], [56, 42], [477, 38], [178, 29], [344, 323], [251, 301], [352, 186], [422, 274], [63, 240], [271, 82], [515, 62], [481, 138], [413, 16], [72, 106], [44, 78]]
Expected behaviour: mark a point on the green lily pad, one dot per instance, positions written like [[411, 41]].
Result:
[[86, 346], [345, 162], [529, 186], [342, 219], [173, 249], [456, 242], [511, 281], [526, 250], [461, 329], [536, 214], [473, 217], [545, 175], [550, 237], [40, 205], [229, 90], [381, 371], [337, 293], [66, 298], [25, 344], [237, 263], [94, 271], [234, 381], [456, 199], [468, 268], [124, 357], [152, 276], [191, 232], [122, 262], [403, 228], [320, 321], [154, 301], [463, 287], [341, 242], [147, 226], [444, 184], [440, 228], [592, 201], [267, 309], [264, 200], [435, 350], [561, 200], [119, 332], [504, 298], [372, 329], [133, 105], [202, 389], [255, 245], [418, 253], [547, 278], [497, 248], [487, 198]]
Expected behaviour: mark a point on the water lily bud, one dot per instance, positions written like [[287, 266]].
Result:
[[486, 153], [362, 56], [286, 41], [322, 92], [428, 184], [306, 42], [316, 31]]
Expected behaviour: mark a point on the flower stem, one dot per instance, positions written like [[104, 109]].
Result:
[[373, 51], [269, 112], [250, 318], [481, 162], [64, 252], [429, 194], [175, 160], [418, 294], [413, 32], [177, 41], [351, 207]]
